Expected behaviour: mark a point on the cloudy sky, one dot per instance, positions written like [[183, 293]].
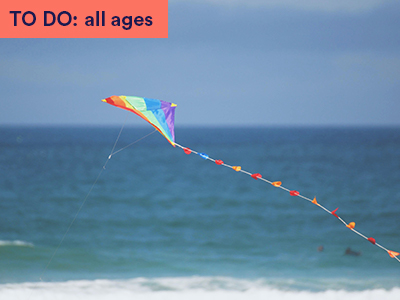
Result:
[[225, 62]]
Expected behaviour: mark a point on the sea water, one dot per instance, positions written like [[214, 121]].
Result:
[[155, 223]]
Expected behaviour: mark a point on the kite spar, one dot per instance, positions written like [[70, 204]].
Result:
[[161, 115]]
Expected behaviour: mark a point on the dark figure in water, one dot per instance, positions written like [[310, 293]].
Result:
[[351, 252]]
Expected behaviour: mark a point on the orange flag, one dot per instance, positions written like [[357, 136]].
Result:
[[276, 183], [315, 201], [393, 254], [351, 225], [237, 168]]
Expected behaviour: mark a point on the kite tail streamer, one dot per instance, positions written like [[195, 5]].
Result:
[[161, 116], [278, 184]]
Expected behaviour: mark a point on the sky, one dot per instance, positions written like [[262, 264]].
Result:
[[224, 63]]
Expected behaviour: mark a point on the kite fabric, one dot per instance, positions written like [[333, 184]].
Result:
[[161, 114]]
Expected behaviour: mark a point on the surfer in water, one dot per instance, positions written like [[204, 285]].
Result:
[[351, 252]]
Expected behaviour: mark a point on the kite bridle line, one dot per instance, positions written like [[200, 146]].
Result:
[[90, 191], [112, 153], [278, 184]]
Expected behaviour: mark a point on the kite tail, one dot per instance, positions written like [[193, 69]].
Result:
[[278, 184]]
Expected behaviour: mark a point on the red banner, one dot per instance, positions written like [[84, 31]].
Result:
[[84, 19]]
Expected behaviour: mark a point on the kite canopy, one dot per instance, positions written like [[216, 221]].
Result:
[[158, 113]]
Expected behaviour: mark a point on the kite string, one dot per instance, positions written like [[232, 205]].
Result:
[[72, 222], [88, 194], [83, 202]]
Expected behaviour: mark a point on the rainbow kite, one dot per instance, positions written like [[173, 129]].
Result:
[[158, 113], [161, 115]]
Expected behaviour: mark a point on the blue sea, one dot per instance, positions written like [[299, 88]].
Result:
[[156, 223]]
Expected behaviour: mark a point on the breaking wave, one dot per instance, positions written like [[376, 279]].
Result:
[[179, 288], [15, 243]]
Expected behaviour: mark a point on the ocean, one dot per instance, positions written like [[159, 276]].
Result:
[[156, 223]]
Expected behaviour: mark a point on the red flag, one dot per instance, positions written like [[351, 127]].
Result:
[[256, 176]]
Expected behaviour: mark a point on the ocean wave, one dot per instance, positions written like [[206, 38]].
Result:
[[178, 288], [15, 243]]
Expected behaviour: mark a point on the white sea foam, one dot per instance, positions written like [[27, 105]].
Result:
[[15, 243], [192, 288]]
